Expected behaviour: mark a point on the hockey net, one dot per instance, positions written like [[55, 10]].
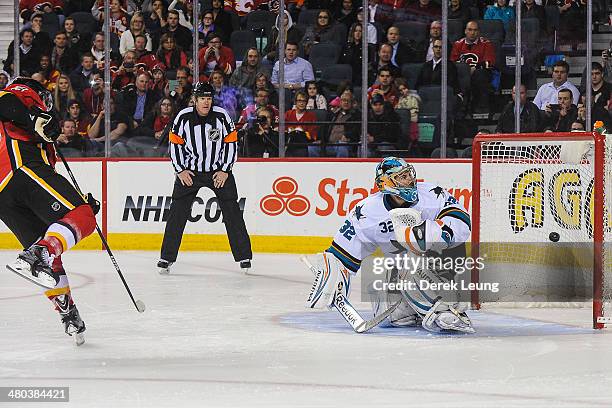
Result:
[[540, 208]]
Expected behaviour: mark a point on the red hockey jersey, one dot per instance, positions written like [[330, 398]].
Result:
[[481, 53]]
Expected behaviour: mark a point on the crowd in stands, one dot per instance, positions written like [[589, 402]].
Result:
[[152, 53]]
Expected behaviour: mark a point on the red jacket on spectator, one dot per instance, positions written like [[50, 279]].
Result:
[[147, 61], [94, 103], [479, 54], [179, 60], [27, 7], [242, 7], [392, 95], [395, 4], [310, 129], [226, 62]]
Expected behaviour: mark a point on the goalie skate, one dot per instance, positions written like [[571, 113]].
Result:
[[74, 325], [34, 264], [454, 320]]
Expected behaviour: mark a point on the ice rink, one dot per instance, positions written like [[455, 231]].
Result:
[[213, 337]]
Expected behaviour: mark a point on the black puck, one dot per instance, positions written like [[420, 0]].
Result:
[[554, 236]]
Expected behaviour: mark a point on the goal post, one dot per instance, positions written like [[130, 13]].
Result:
[[540, 205]]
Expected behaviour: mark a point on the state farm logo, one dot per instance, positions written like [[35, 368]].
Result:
[[284, 199]]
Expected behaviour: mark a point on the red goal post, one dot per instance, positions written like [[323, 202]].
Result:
[[528, 187]]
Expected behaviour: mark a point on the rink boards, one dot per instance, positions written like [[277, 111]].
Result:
[[289, 206]]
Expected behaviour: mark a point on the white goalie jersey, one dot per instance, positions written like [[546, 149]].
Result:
[[369, 225]]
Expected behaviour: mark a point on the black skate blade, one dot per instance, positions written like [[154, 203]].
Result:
[[29, 277]]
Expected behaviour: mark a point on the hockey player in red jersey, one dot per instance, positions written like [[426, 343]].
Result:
[[44, 211]]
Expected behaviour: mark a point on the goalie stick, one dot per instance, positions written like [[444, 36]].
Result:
[[348, 312]]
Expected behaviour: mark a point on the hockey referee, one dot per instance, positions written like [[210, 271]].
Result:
[[203, 149]]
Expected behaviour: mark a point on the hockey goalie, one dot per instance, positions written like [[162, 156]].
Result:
[[417, 218]]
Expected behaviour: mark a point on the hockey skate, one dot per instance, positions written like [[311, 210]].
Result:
[[74, 325], [245, 265], [34, 264], [455, 320], [164, 266]]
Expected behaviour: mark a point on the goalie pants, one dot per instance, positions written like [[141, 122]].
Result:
[[180, 209], [34, 198]]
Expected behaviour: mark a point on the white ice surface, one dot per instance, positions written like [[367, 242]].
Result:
[[212, 337]]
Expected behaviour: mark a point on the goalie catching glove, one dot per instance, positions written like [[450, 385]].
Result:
[[420, 235]]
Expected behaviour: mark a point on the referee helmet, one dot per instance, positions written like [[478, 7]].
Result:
[[203, 89]]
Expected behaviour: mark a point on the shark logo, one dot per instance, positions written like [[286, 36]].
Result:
[[438, 191], [358, 214]]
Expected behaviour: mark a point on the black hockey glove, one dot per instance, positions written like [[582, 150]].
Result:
[[93, 203], [45, 125]]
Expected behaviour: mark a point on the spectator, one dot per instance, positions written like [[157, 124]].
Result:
[[479, 54], [118, 15], [259, 137], [145, 59], [69, 141], [225, 96], [301, 126], [159, 82], [548, 93], [181, 34], [182, 94], [292, 34], [38, 77], [530, 115], [345, 13], [323, 30], [384, 61], [29, 7], [431, 71], [93, 98], [97, 50], [340, 132], [169, 54], [383, 127], [571, 21], [29, 56], [41, 39], [424, 10], [63, 58], [435, 33], [457, 10], [297, 69], [76, 40], [73, 6], [125, 74], [216, 57], [4, 79], [606, 60], [119, 130], [577, 127], [500, 11], [137, 100], [153, 132], [372, 32], [315, 99], [530, 9], [156, 19], [559, 117], [81, 76], [598, 112], [221, 18], [128, 38], [411, 101], [80, 118], [261, 101], [207, 27], [185, 11], [62, 94], [244, 76], [401, 53], [385, 87], [352, 54], [262, 81], [49, 74], [600, 89]]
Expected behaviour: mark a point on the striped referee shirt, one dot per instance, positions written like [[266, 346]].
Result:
[[203, 143]]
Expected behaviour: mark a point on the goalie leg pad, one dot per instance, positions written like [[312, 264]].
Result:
[[331, 276]]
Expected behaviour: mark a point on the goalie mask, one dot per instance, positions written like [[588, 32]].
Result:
[[395, 176]]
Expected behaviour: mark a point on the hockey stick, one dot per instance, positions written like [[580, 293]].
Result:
[[139, 304], [348, 312]]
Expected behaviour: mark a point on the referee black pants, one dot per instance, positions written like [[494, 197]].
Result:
[[182, 200]]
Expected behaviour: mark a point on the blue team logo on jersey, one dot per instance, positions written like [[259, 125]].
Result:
[[213, 134]]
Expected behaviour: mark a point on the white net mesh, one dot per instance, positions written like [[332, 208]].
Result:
[[537, 219]]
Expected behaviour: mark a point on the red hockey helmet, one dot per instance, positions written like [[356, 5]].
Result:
[[31, 93]]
